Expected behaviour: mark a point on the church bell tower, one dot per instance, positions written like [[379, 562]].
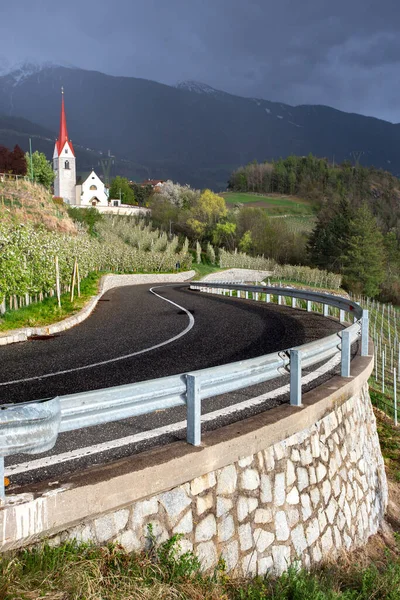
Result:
[[64, 161]]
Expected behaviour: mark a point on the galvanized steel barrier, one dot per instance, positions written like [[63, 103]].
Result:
[[33, 427]]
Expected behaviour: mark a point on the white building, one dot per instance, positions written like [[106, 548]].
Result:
[[92, 192], [64, 162]]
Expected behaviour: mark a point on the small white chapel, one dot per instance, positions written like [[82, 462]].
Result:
[[92, 192]]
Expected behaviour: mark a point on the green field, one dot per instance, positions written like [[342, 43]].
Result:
[[274, 205]]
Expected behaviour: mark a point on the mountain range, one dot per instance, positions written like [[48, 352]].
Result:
[[190, 132]]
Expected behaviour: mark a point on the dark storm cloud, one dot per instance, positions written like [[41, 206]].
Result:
[[344, 53]]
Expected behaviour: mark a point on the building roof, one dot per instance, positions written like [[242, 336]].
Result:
[[152, 182], [63, 137]]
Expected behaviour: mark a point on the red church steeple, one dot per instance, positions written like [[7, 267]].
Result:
[[63, 137]]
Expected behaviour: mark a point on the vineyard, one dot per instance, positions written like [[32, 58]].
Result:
[[124, 245], [289, 273]]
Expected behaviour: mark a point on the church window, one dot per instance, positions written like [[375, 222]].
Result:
[[93, 187], [66, 165]]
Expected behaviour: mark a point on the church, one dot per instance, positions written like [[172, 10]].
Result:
[[92, 192]]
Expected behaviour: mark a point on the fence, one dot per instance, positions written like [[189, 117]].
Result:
[[33, 427]]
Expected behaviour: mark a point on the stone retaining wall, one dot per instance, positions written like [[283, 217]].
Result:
[[302, 499]]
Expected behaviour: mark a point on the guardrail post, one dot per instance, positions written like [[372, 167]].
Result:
[[193, 399], [342, 315], [2, 488], [346, 347], [309, 306], [295, 377], [294, 303], [247, 295], [267, 297], [326, 310], [364, 333], [279, 300], [231, 292]]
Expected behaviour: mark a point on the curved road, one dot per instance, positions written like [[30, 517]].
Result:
[[129, 321]]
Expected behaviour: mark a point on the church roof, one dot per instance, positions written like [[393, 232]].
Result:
[[63, 136]]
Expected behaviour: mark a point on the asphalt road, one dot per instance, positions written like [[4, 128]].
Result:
[[131, 320]]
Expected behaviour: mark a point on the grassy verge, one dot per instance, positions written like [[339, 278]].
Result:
[[203, 269], [72, 572], [47, 312]]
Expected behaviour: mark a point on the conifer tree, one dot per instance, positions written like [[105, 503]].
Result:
[[364, 258]]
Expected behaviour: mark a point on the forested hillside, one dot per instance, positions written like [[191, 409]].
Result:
[[357, 229]]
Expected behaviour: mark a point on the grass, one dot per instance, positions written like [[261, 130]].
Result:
[[202, 269], [47, 312], [274, 205], [72, 571]]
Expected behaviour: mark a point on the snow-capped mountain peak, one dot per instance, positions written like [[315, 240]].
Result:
[[197, 87]]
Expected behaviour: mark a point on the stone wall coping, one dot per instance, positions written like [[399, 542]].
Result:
[[40, 510], [106, 283]]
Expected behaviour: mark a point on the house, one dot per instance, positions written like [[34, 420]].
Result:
[[155, 183]]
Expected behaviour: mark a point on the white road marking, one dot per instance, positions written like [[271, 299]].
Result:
[[111, 360], [79, 453]]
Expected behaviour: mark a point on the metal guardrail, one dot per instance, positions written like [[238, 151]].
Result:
[[32, 427]]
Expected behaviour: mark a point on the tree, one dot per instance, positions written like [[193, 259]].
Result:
[[42, 169], [18, 161], [364, 266], [120, 188], [224, 235]]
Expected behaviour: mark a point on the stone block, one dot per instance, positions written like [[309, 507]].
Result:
[[293, 496], [302, 478], [250, 480], [281, 558], [312, 531], [204, 503], [279, 489], [293, 517], [129, 541], [200, 484], [326, 491], [206, 552], [327, 541], [226, 528], [263, 539], [185, 525], [230, 554], [266, 489], [206, 529], [175, 503], [143, 509], [321, 472], [265, 565], [245, 537], [224, 505], [315, 496], [263, 515], [306, 506], [249, 565], [299, 540], [269, 459], [282, 530], [227, 480], [290, 473], [245, 462]]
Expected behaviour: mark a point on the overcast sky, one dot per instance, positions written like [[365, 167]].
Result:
[[344, 53]]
